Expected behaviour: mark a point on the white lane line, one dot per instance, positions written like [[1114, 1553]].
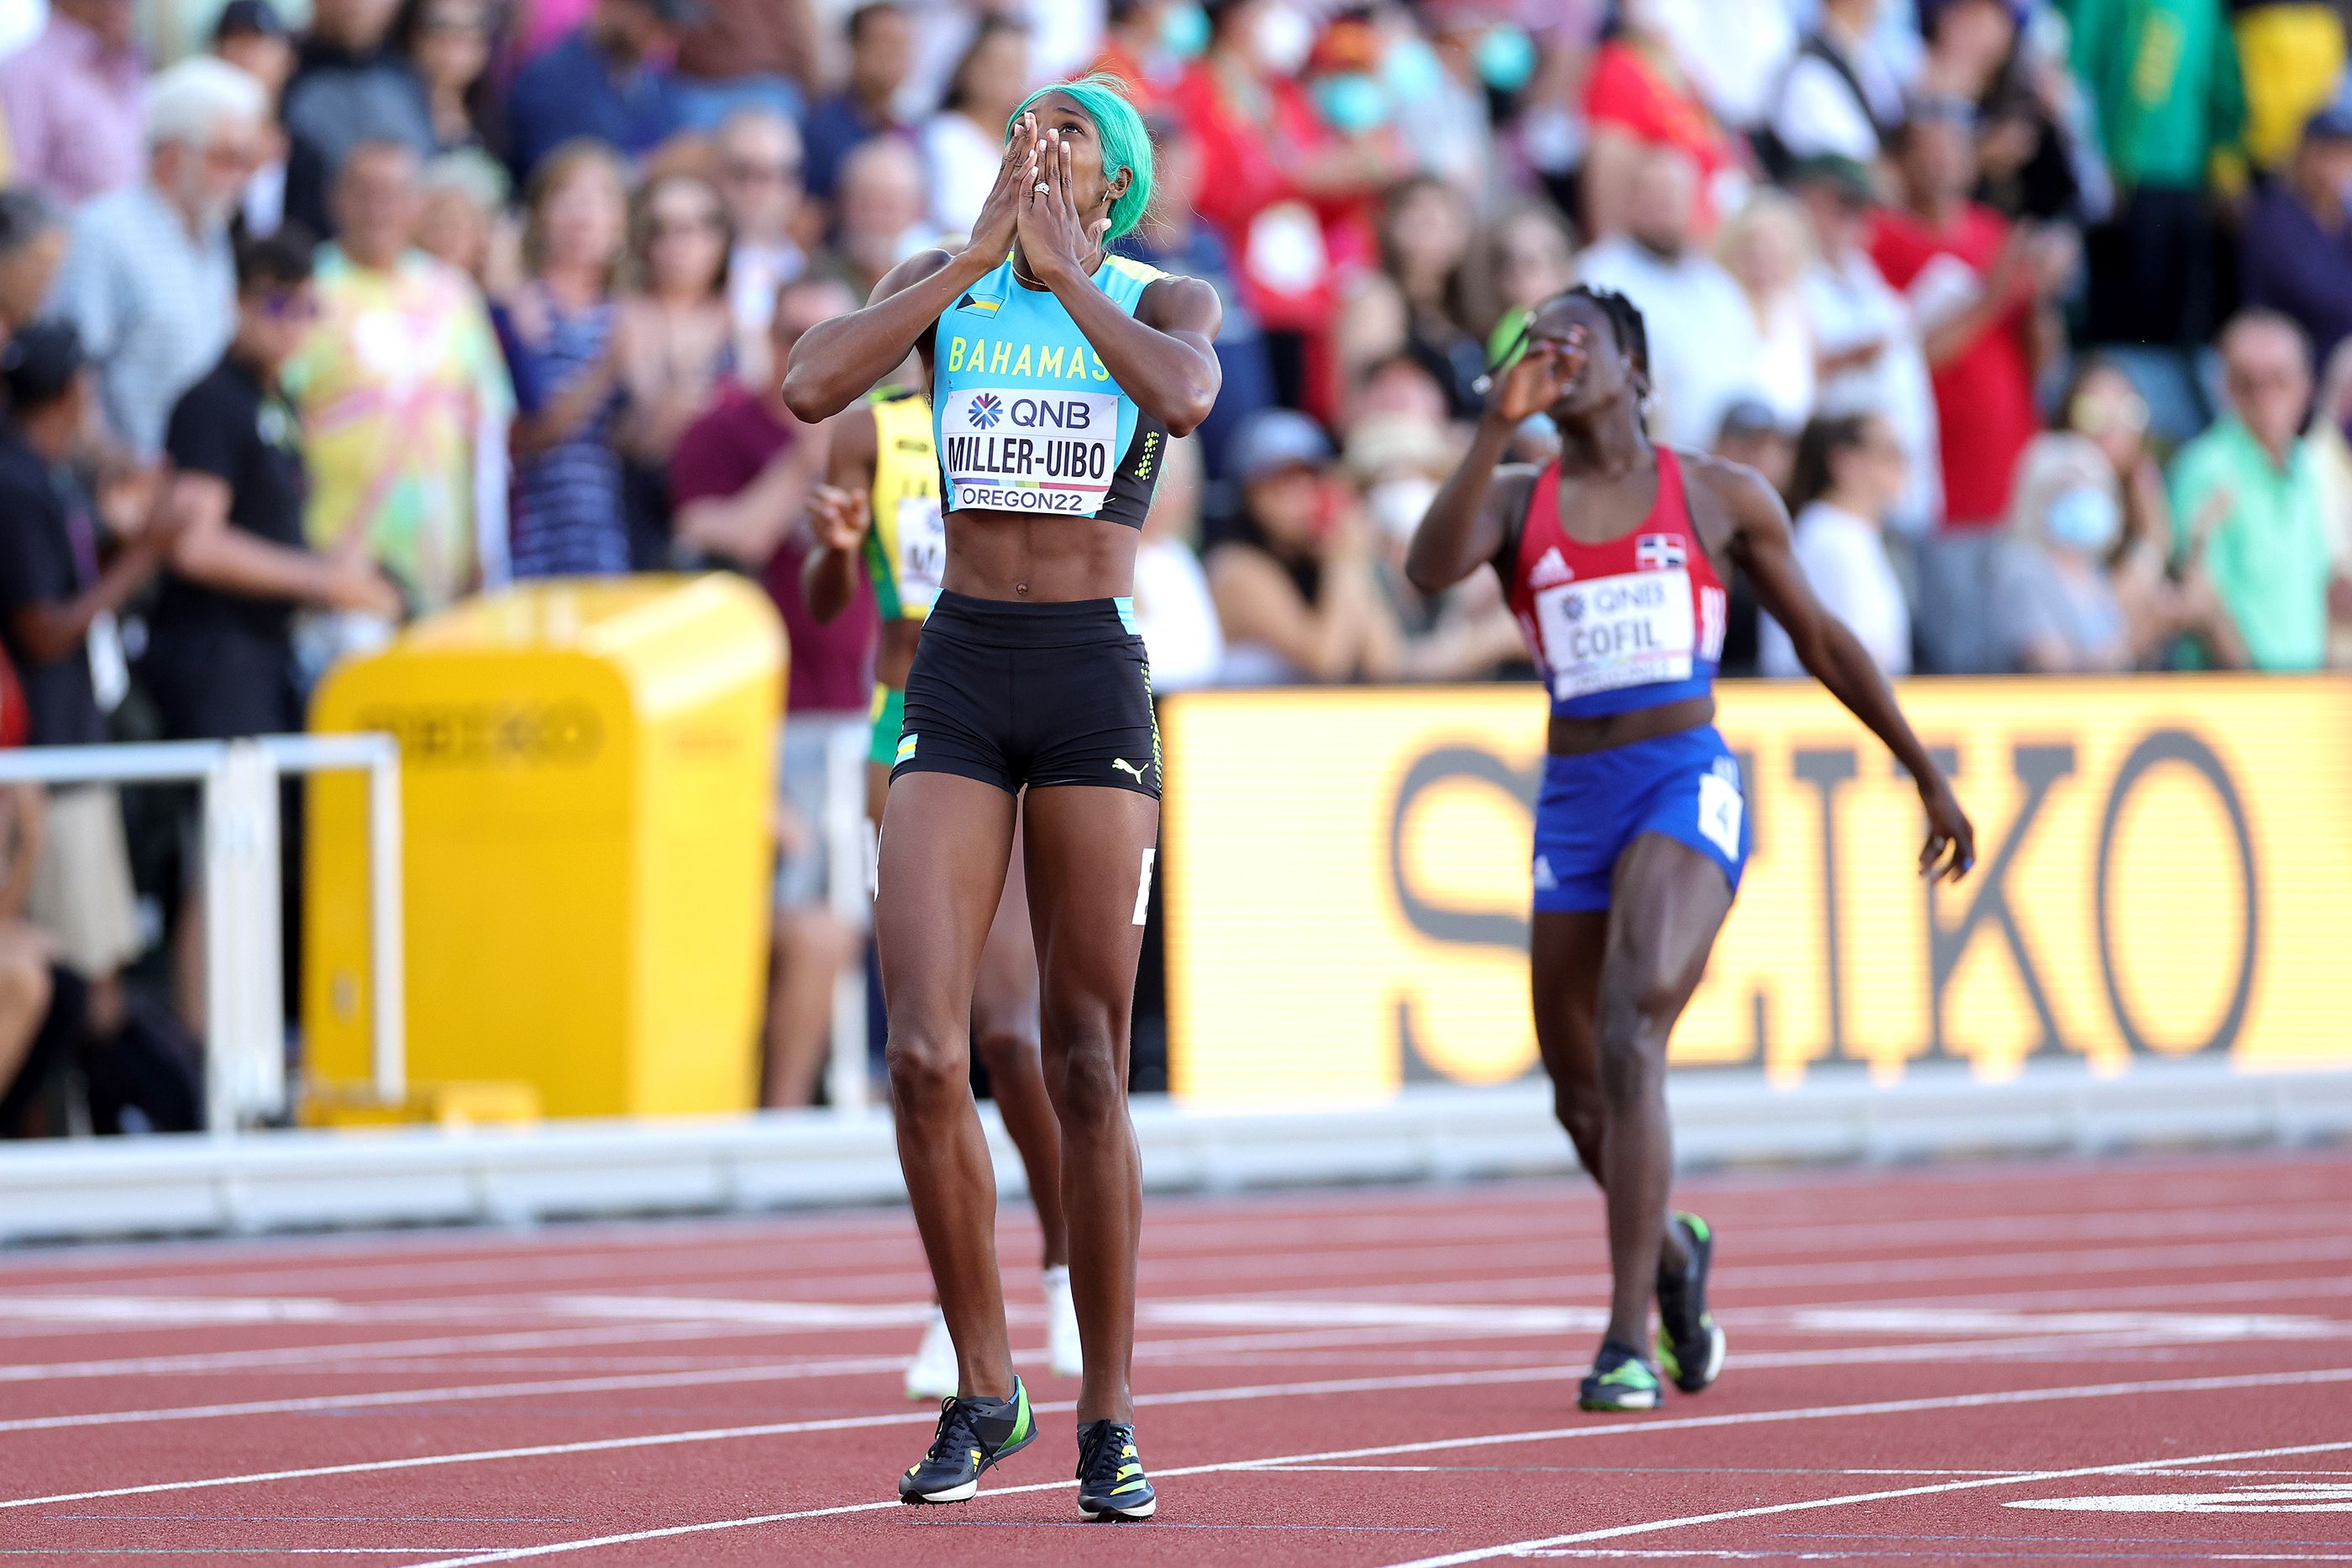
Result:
[[1598, 1429], [135, 1313], [309, 1357], [1973, 1350], [1174, 1352], [1540, 1544], [815, 1248]]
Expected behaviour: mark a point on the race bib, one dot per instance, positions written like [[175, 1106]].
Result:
[[1615, 631], [922, 538], [1014, 449]]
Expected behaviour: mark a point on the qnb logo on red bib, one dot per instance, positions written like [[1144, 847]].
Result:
[[1631, 629]]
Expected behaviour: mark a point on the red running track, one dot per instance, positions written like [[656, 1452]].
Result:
[[2095, 1362]]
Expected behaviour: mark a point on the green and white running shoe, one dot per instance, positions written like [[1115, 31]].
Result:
[[973, 1434], [1619, 1381], [1690, 1346]]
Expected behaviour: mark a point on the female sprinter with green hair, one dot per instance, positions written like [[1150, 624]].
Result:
[[1058, 374]]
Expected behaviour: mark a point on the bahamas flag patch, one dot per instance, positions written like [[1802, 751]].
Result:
[[906, 749]]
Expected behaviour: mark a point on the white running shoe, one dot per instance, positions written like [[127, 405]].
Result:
[[1062, 1349], [934, 1373]]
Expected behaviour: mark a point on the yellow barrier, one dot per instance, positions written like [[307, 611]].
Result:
[[2163, 867], [587, 780]]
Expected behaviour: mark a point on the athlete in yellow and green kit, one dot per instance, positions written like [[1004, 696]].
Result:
[[878, 512]]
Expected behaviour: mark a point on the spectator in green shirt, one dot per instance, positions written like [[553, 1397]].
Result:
[[2248, 502], [2163, 78]]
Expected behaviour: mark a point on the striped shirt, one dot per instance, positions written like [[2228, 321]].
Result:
[[155, 304]]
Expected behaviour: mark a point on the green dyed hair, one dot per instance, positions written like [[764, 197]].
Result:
[[1126, 144]]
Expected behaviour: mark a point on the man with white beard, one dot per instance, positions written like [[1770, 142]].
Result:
[[149, 281]]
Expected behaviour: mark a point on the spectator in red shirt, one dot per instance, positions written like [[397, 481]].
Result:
[[1639, 97], [1980, 289], [1291, 197], [740, 477]]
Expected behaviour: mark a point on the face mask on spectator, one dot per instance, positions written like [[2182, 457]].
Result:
[[1352, 102], [1398, 504], [1409, 69], [1282, 40], [2085, 520], [1183, 31], [1506, 58]]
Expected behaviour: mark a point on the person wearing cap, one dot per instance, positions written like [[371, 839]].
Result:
[[609, 79], [1868, 344], [2296, 255], [1752, 436], [249, 35], [61, 581], [1293, 573], [75, 100], [149, 281]]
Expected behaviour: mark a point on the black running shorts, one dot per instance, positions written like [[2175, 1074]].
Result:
[[1040, 695]]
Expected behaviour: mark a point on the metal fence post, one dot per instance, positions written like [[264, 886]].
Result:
[[386, 872]]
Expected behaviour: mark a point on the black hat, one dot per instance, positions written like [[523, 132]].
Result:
[[248, 18], [41, 362]]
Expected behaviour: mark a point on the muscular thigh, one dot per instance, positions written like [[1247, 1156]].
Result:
[[945, 842], [1666, 904], [1087, 852], [1564, 954]]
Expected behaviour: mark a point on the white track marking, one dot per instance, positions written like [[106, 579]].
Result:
[[175, 1312], [647, 1251], [1188, 1397], [738, 1310], [2069, 1343], [817, 1317], [600, 1247], [2278, 1496], [1891, 1406], [2030, 1478], [699, 1377], [314, 1357]]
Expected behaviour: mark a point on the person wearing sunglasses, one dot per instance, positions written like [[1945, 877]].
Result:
[[220, 657]]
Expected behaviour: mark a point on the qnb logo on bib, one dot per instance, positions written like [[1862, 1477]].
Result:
[[1012, 449], [1614, 632]]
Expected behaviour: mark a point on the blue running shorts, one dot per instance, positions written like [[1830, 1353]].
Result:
[[1686, 786]]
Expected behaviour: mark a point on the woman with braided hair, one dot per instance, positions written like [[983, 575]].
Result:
[[1614, 557]]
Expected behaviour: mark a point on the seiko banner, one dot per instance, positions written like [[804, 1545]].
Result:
[[2164, 868]]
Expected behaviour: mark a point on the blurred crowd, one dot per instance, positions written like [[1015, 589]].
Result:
[[2038, 312]]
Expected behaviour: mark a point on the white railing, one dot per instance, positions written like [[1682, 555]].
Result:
[[245, 1012]]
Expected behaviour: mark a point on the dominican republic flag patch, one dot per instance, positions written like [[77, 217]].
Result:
[[1658, 552]]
